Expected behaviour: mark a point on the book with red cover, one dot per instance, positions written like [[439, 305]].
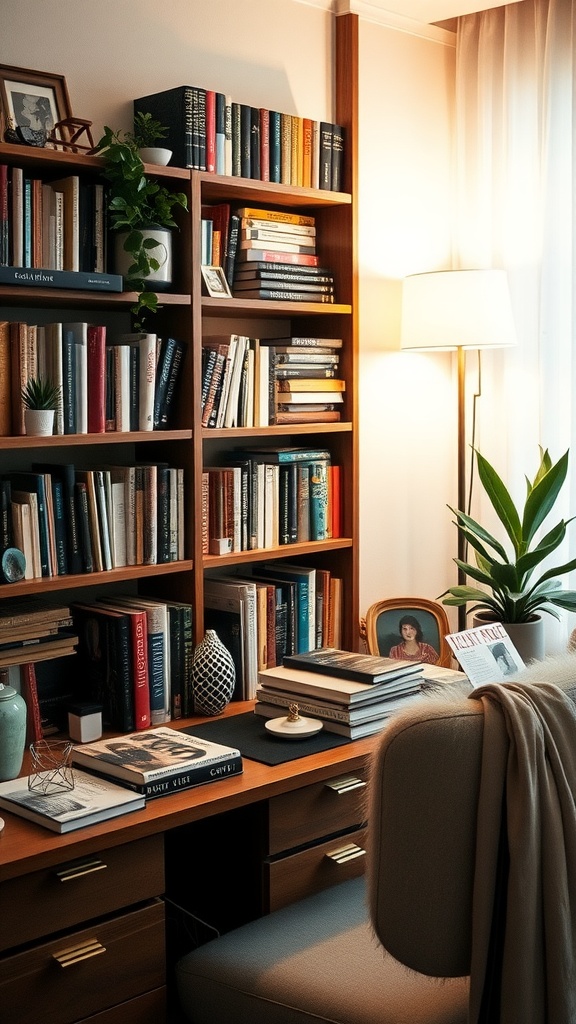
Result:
[[96, 379], [140, 678], [210, 130]]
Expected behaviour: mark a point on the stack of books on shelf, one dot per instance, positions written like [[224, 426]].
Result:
[[209, 131], [135, 654], [352, 694], [35, 631], [275, 610], [259, 382], [67, 521], [265, 497], [133, 378], [53, 232], [276, 258], [160, 761], [265, 253]]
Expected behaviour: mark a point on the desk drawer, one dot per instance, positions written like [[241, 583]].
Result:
[[301, 874], [75, 891], [315, 811], [57, 983]]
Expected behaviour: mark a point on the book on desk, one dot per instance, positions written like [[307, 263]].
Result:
[[90, 801], [157, 762]]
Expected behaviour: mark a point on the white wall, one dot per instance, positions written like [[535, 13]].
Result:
[[408, 403], [279, 53]]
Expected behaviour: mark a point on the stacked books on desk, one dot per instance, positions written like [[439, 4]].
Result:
[[157, 762], [353, 694], [92, 800]]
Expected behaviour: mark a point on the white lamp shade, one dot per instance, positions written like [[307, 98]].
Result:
[[452, 309]]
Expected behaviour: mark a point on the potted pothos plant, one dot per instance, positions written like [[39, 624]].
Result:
[[146, 135], [511, 589], [141, 217], [41, 398]]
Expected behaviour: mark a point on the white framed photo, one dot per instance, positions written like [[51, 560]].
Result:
[[215, 282]]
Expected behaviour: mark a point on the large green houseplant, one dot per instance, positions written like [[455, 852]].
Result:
[[137, 204], [511, 593]]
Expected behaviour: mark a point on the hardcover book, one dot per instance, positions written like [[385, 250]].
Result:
[[90, 801], [346, 692], [73, 279], [159, 761], [362, 668]]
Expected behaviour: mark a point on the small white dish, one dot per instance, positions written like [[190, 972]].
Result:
[[297, 730]]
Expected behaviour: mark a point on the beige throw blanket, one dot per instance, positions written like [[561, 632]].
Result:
[[529, 752]]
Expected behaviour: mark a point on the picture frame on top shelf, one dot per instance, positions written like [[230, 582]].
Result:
[[34, 100], [215, 282], [381, 629]]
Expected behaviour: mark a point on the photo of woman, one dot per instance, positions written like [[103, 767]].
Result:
[[412, 646]]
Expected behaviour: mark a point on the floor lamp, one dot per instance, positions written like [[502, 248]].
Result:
[[457, 310]]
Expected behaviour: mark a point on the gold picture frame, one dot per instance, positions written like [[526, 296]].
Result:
[[32, 99]]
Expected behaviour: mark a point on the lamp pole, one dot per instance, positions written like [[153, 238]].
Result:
[[461, 472]]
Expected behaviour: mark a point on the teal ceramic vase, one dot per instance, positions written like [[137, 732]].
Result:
[[12, 732]]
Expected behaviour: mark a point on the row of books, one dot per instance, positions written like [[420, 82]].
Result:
[[351, 694], [67, 520], [116, 776], [265, 498], [135, 657], [57, 224], [37, 634], [209, 131], [262, 381], [126, 383], [274, 610], [248, 240]]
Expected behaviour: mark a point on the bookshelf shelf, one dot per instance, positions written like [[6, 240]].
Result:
[[53, 584], [281, 551], [274, 431], [266, 308]]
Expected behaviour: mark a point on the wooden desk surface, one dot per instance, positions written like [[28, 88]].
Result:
[[26, 847]]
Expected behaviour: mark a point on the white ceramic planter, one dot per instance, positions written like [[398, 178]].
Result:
[[155, 155], [161, 278], [39, 422], [528, 637]]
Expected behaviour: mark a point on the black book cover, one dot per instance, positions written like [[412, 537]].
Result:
[[84, 526], [163, 507], [174, 109], [245, 136], [337, 157], [66, 473], [255, 142], [236, 140], [274, 131], [104, 652], [7, 538]]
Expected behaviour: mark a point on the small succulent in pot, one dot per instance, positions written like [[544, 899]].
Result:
[[41, 393]]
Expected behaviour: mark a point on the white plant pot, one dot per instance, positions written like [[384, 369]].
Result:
[[39, 422], [155, 155], [160, 279], [529, 638]]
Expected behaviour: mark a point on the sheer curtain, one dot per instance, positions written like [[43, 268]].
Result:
[[515, 170]]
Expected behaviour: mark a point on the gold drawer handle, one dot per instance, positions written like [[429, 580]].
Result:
[[346, 853], [73, 955], [346, 785], [87, 867]]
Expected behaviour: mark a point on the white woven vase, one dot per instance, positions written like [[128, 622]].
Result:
[[213, 675]]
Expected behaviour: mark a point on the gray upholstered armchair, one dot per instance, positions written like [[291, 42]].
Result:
[[449, 892]]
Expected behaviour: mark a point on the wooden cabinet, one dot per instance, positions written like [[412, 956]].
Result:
[[86, 937], [315, 838]]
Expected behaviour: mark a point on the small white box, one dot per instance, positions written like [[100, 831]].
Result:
[[85, 722]]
